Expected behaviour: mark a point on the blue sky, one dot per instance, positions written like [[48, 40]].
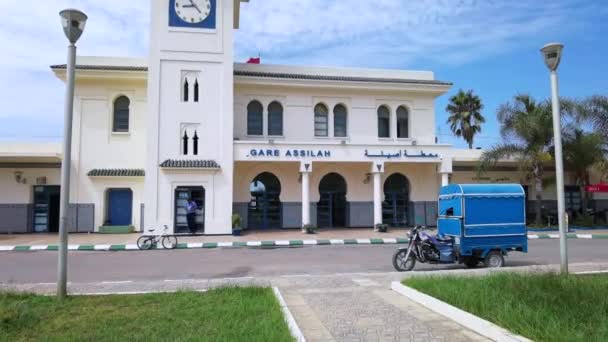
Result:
[[489, 46]]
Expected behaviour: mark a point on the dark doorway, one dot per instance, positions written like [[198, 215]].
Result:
[[331, 208], [264, 210], [54, 212], [46, 209], [396, 199], [197, 193]]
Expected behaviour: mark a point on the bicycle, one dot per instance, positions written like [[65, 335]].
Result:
[[168, 241]]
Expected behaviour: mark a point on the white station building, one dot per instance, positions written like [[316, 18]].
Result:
[[283, 146]]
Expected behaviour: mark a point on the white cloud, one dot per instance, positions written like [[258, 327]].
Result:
[[374, 33]]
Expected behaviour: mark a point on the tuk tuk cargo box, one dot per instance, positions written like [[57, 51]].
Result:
[[483, 217]]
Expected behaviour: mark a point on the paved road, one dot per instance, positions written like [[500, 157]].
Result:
[[40, 267]]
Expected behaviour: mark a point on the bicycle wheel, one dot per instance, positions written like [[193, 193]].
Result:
[[145, 242], [169, 241]]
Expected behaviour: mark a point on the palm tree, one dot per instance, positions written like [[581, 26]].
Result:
[[582, 152], [465, 115], [526, 128], [595, 110]]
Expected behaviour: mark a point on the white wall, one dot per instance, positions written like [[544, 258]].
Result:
[[12, 192], [362, 105]]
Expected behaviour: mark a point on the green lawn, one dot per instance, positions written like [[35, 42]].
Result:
[[544, 307], [229, 314]]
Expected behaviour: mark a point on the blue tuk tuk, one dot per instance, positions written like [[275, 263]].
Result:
[[477, 223]]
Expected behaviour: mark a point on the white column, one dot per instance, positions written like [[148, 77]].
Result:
[[305, 198], [377, 198], [445, 179]]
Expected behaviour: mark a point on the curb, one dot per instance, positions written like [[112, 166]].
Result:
[[467, 320], [259, 244], [291, 322]]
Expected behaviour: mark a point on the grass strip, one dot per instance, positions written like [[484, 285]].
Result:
[[227, 314], [542, 307]]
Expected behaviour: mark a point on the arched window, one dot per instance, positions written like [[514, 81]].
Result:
[[275, 119], [321, 120], [196, 90], [255, 118], [384, 122], [185, 140], [402, 123], [121, 114], [186, 89], [340, 121], [195, 144]]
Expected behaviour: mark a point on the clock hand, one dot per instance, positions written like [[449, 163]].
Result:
[[192, 4]]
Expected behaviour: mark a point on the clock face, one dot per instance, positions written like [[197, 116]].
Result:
[[193, 11]]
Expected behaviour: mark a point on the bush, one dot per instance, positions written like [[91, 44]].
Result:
[[236, 221], [309, 229], [583, 221], [382, 228]]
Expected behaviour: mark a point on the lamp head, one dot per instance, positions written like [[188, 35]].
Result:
[[73, 22], [552, 54]]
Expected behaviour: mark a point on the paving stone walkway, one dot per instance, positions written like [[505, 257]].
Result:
[[363, 308]]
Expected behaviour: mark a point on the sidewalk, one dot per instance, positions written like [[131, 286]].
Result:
[[274, 238]]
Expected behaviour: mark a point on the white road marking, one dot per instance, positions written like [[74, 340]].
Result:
[[554, 236], [310, 242], [390, 240], [102, 247], [73, 247], [592, 272], [7, 248], [584, 236], [131, 247], [532, 236], [224, 244], [363, 241], [38, 247], [195, 245], [254, 243], [336, 242], [282, 243]]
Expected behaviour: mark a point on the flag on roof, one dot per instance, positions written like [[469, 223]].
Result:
[[254, 60]]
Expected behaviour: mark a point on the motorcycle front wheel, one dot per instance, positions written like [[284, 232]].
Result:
[[399, 262]]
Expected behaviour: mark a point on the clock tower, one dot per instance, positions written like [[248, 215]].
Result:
[[190, 115]]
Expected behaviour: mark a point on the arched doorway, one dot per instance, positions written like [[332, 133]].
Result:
[[396, 201], [331, 209], [264, 210]]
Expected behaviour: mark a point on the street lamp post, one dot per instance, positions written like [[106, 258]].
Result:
[[73, 22], [552, 54]]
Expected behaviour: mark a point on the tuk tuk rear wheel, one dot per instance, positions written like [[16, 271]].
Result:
[[494, 259], [402, 265]]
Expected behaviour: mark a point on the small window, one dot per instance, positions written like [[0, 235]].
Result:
[[195, 144], [255, 118], [384, 122], [275, 119], [186, 90], [196, 90], [340, 121], [402, 123], [185, 140], [321, 120], [121, 114]]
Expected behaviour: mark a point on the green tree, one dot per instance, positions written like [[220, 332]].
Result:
[[526, 128], [595, 110], [465, 118], [583, 151]]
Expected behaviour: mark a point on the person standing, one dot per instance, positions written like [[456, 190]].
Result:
[[191, 208]]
